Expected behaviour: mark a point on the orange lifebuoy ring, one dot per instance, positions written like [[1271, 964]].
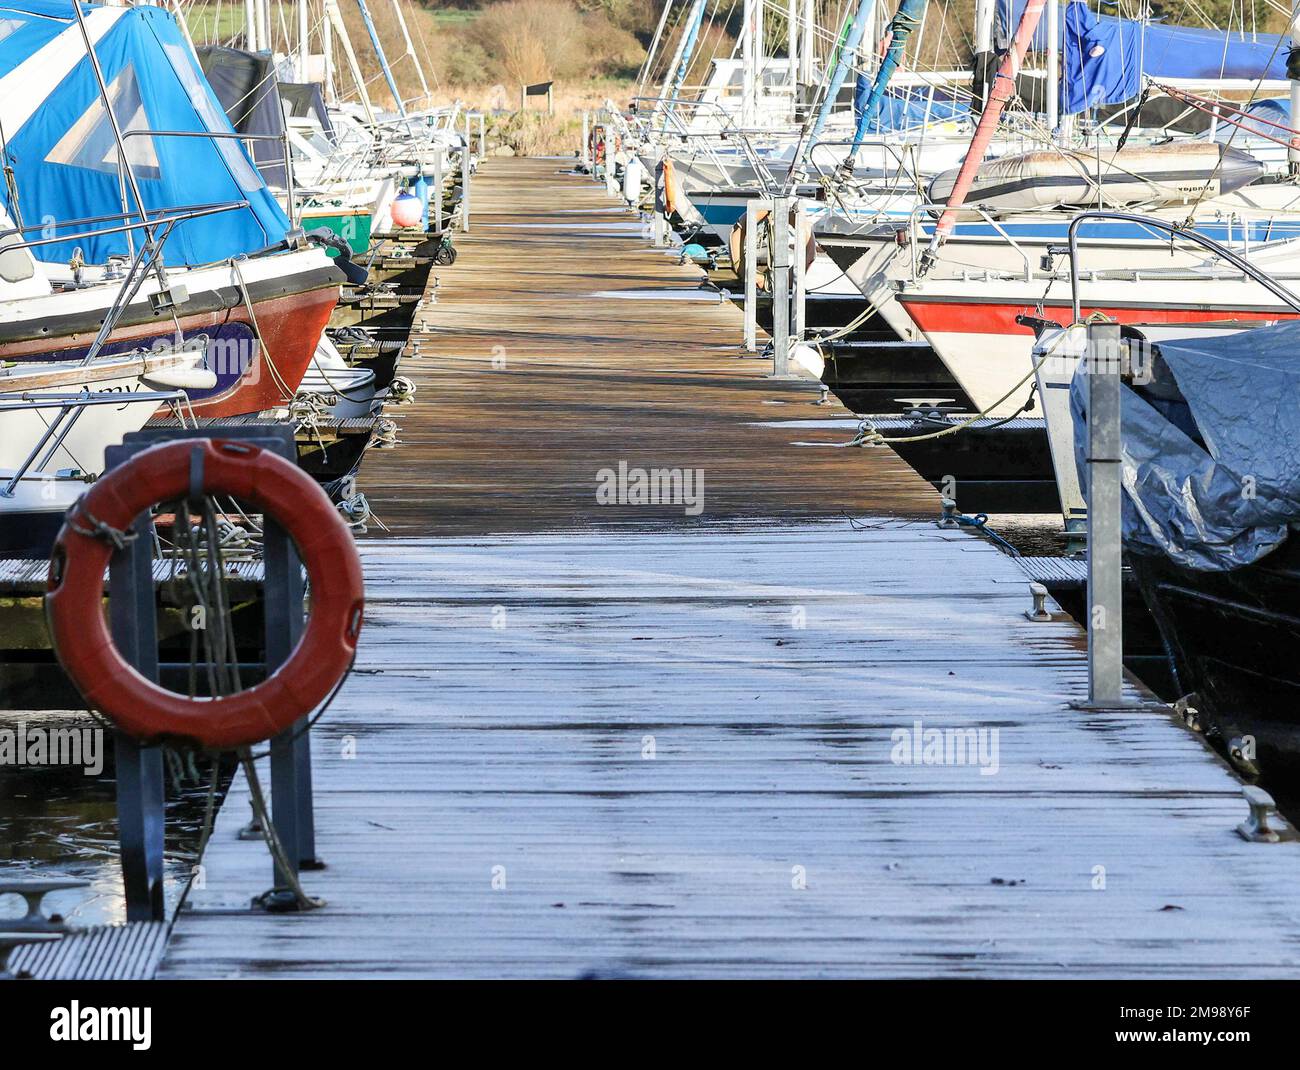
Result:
[[85, 645]]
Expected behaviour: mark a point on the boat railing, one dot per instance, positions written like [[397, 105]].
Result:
[[726, 132], [915, 242], [832, 186], [149, 254], [157, 217], [70, 406], [1176, 233]]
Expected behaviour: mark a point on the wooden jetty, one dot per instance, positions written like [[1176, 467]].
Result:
[[618, 740]]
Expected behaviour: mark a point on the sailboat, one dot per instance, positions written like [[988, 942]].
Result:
[[155, 189], [962, 274]]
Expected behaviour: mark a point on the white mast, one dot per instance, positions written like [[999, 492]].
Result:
[[748, 61], [250, 25], [335, 17], [1293, 152], [410, 50], [327, 47], [806, 55], [304, 32], [654, 47], [792, 36], [1053, 65], [985, 12], [984, 26], [265, 32]]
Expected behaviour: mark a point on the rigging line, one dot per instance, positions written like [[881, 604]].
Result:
[[1232, 136]]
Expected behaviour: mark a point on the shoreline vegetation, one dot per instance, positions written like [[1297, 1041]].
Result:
[[481, 51]]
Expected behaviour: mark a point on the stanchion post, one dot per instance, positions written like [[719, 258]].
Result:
[[1105, 578], [802, 234], [141, 793], [752, 207], [779, 255], [465, 157], [291, 806]]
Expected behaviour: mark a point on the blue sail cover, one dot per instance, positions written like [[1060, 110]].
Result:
[[66, 160], [1100, 60], [1133, 49], [1215, 484]]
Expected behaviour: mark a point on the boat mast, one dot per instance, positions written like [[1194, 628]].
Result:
[[327, 47], [1293, 150], [383, 59], [671, 83], [250, 25], [654, 49], [751, 53], [905, 20], [792, 45], [335, 17], [304, 32], [848, 48], [265, 29], [1004, 87], [985, 11], [1053, 66], [410, 50], [806, 53]]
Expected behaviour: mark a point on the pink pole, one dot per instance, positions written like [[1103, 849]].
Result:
[[1004, 85]]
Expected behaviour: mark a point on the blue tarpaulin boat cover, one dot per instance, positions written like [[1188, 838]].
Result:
[[1100, 63], [1127, 50], [62, 148], [1218, 491]]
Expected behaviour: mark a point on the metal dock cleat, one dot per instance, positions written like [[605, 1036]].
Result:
[[1039, 611], [1265, 824], [34, 891]]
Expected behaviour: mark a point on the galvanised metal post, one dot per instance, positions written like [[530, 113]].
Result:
[[752, 207], [802, 235], [282, 606], [779, 255], [140, 789], [1105, 580], [466, 154]]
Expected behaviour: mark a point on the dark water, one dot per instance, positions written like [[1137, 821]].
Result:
[[59, 821], [1033, 534]]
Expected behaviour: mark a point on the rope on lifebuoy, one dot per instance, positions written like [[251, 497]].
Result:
[[100, 522]]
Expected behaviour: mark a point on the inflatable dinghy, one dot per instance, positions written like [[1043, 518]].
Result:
[[1141, 175]]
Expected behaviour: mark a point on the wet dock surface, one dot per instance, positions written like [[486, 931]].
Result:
[[625, 741]]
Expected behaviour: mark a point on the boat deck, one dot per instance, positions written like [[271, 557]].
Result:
[[618, 740]]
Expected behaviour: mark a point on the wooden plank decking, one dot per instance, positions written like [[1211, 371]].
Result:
[[561, 343], [584, 740]]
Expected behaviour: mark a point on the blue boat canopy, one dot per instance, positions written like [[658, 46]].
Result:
[[1104, 58], [62, 148], [1210, 448]]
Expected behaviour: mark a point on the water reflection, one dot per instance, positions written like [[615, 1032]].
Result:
[[56, 821]]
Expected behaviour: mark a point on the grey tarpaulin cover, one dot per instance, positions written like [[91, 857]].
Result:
[[245, 84], [1217, 492]]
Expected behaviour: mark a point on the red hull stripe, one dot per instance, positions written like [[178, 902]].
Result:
[[990, 317]]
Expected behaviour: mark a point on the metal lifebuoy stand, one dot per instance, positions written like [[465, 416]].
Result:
[[133, 628]]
